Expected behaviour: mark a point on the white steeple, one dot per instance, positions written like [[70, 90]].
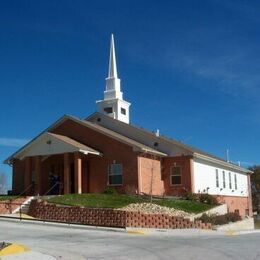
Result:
[[112, 70], [112, 81], [113, 103]]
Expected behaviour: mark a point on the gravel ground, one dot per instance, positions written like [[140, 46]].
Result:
[[149, 208]]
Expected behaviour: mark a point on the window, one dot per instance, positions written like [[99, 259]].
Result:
[[247, 212], [224, 179], [108, 110], [115, 173], [237, 211], [123, 111], [230, 183], [176, 175], [217, 179], [235, 176]]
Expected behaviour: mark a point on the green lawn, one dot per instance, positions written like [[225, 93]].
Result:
[[119, 201], [185, 205], [6, 197]]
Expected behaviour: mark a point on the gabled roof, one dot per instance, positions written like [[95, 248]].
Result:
[[174, 143], [47, 144], [47, 132], [121, 138]]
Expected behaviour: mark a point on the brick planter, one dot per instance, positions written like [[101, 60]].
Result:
[[109, 217]]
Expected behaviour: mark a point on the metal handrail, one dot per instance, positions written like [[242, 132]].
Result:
[[26, 189], [46, 193], [8, 205]]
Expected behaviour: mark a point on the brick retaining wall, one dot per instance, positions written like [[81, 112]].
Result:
[[109, 217], [7, 206]]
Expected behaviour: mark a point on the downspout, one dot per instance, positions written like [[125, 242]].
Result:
[[192, 174], [139, 175]]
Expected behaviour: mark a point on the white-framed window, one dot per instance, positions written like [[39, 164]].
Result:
[[175, 175], [235, 177], [115, 174], [224, 179], [230, 180], [123, 111], [217, 178]]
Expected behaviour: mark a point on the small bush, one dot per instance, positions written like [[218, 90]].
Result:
[[208, 199], [110, 190], [203, 198], [220, 219], [191, 196]]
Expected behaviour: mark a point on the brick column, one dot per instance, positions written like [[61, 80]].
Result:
[[78, 173], [27, 174], [66, 173], [38, 182]]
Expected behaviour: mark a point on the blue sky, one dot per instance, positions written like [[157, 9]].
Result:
[[189, 68]]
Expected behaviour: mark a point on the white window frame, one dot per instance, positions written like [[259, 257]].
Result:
[[217, 178], [235, 177], [109, 174], [230, 180], [171, 174], [224, 179]]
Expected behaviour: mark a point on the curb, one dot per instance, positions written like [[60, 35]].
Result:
[[64, 225], [14, 249], [128, 230]]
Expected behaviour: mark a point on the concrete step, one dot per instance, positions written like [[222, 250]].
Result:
[[25, 206]]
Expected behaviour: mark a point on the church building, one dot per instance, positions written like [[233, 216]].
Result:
[[88, 155]]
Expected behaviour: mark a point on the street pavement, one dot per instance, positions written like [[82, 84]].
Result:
[[60, 242]]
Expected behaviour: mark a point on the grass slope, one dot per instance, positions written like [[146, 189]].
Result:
[[6, 197], [118, 201]]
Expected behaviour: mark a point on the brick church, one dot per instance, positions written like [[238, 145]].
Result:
[[88, 155]]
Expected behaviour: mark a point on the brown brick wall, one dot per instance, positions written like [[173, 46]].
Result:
[[150, 177], [113, 151], [109, 217], [237, 203], [184, 162]]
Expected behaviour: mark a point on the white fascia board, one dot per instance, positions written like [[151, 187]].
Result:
[[223, 163], [153, 152], [90, 152]]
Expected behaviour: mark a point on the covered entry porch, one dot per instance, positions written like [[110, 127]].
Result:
[[55, 164]]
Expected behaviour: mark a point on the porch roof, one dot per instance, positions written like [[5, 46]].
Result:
[[48, 144]]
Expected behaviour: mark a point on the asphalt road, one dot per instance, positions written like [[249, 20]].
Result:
[[69, 243]]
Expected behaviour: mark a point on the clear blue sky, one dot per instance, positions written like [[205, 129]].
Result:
[[189, 68]]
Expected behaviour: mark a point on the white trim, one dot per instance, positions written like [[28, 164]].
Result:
[[226, 164], [88, 152]]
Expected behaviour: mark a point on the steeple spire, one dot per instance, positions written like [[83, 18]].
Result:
[[113, 103], [112, 71], [113, 86]]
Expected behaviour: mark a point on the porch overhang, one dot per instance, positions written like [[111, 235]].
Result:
[[48, 144]]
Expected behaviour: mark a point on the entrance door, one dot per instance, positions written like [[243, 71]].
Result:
[[85, 177], [72, 178]]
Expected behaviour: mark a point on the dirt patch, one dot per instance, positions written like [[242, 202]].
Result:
[[150, 208]]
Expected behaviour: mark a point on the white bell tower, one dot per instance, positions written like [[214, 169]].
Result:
[[113, 104]]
